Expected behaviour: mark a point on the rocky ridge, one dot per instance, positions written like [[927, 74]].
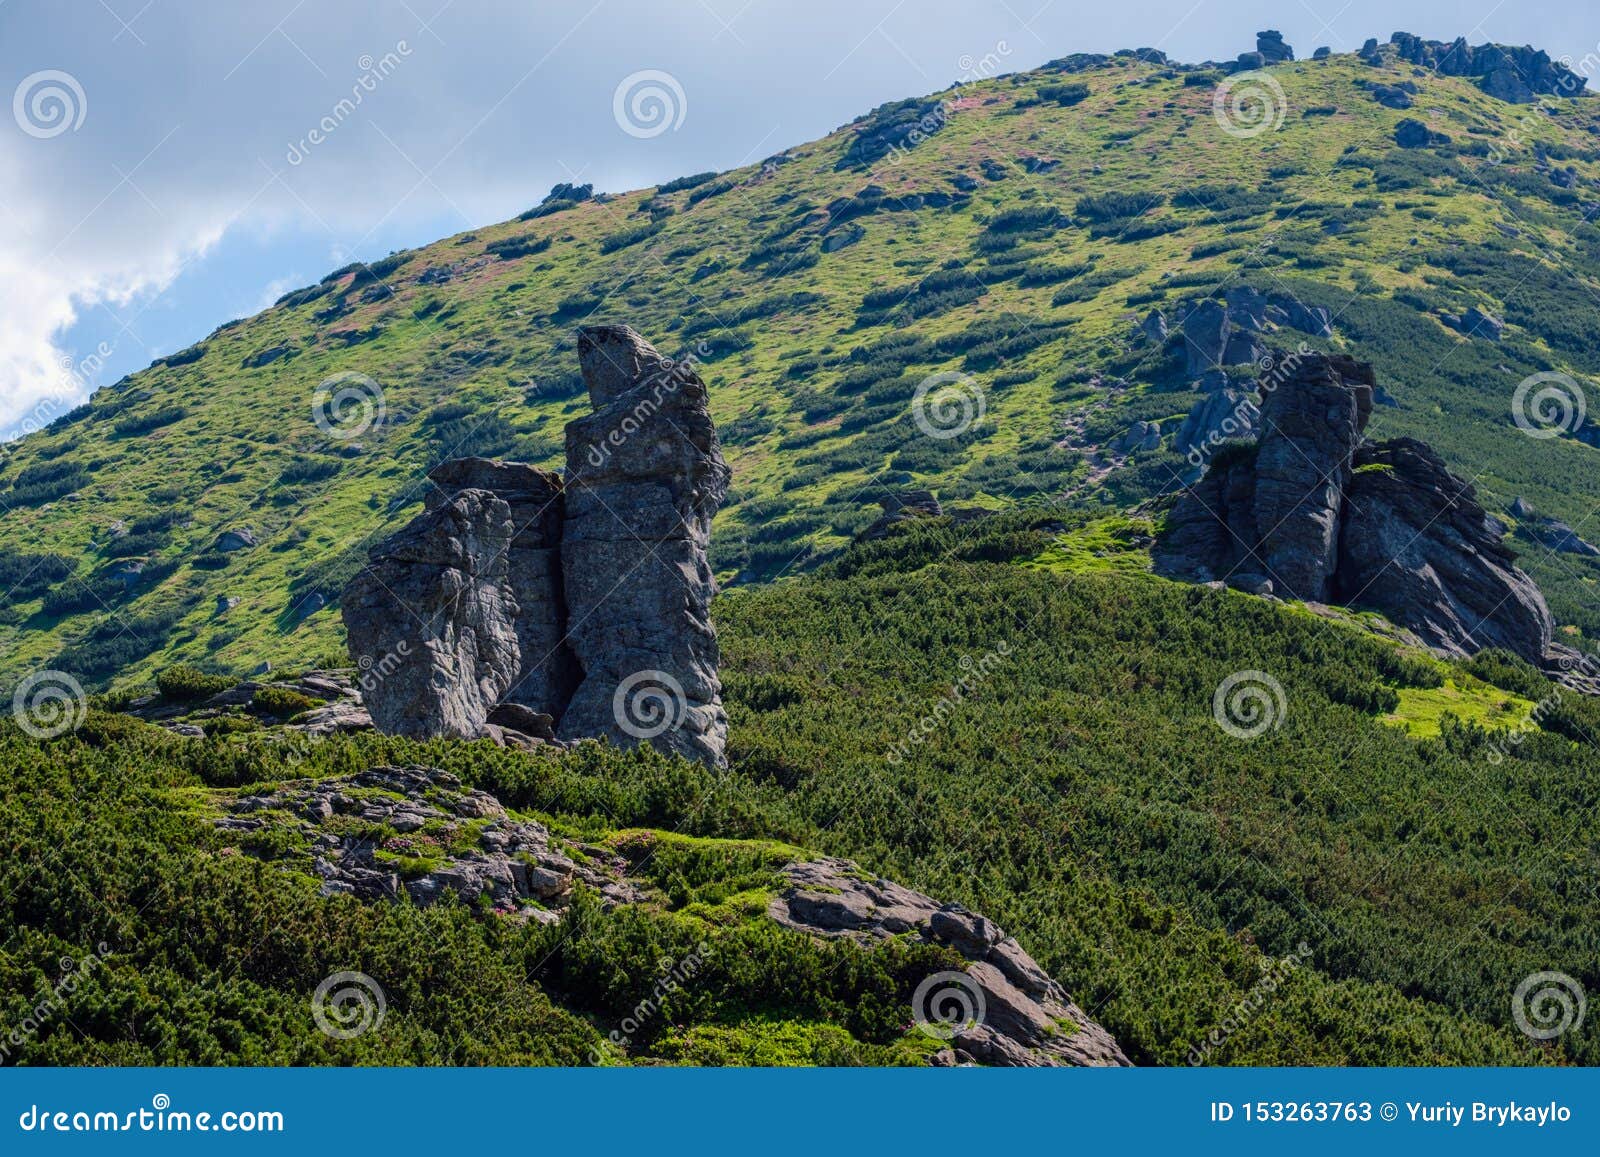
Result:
[[583, 600], [418, 835]]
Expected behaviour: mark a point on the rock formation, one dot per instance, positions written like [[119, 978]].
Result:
[[435, 607], [519, 602], [1512, 74], [1017, 1010], [645, 474], [1311, 511]]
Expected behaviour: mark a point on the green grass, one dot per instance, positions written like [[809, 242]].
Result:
[[1422, 709]]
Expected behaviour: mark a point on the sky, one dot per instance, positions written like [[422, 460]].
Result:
[[173, 164]]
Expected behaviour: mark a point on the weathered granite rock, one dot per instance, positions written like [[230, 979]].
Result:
[[1312, 512], [1417, 545], [434, 609], [1219, 416], [1550, 532], [546, 673], [1413, 134], [516, 865], [1271, 46], [1310, 426], [1024, 1013], [1513, 74], [645, 475], [1205, 333]]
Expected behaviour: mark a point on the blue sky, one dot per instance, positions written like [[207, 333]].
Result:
[[175, 184]]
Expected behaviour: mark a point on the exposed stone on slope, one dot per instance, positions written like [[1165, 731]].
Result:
[[1416, 543], [645, 476], [1511, 74], [584, 603], [1027, 1018], [1550, 532], [545, 674], [1312, 512], [434, 608], [902, 507], [513, 864]]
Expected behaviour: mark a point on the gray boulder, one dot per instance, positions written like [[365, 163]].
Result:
[[1417, 545], [1322, 516], [434, 615], [1011, 1013], [645, 475], [546, 673]]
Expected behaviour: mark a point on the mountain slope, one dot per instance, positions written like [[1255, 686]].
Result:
[[1012, 237]]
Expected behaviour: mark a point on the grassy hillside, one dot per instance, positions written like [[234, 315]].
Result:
[[1014, 243], [1078, 790]]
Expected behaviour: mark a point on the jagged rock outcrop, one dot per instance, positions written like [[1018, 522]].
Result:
[[1272, 48], [645, 475], [1024, 1014], [1512, 74], [584, 602], [546, 674], [353, 832], [1416, 544], [434, 607], [1313, 512]]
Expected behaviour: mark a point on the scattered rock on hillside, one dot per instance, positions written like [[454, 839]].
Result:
[[1027, 1019], [1550, 532], [1413, 134], [238, 538], [1511, 74], [515, 865], [1327, 517], [902, 507]]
